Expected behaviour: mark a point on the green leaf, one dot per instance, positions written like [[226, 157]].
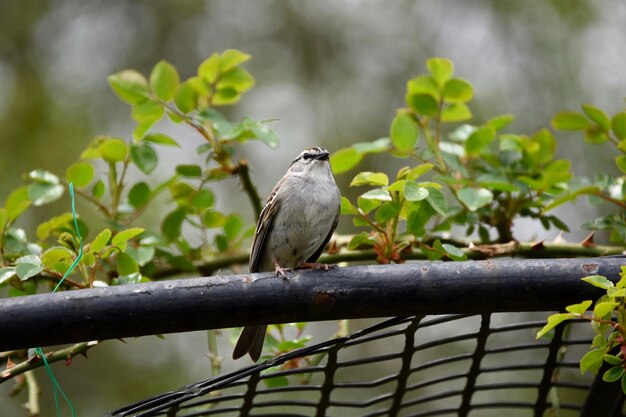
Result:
[[126, 235], [225, 96], [41, 193], [57, 222], [602, 309], [6, 274], [98, 189], [55, 255], [367, 205], [596, 135], [442, 69], [598, 116], [144, 156], [263, 132], [113, 149], [571, 196], [618, 125], [580, 308], [370, 178], [624, 384], [501, 121], [141, 254], [186, 98], [413, 192], [238, 79], [457, 90], [599, 281], [148, 111], [164, 80], [613, 374], [403, 132], [139, 195], [592, 361], [230, 58], [80, 173], [547, 146], [190, 171], [161, 139], [569, 120], [479, 140], [142, 128], [456, 112], [209, 68], [212, 219], [475, 198], [134, 278], [126, 265], [233, 226], [347, 207], [419, 170], [419, 214], [620, 161], [437, 201], [360, 241], [172, 224], [100, 241], [424, 84], [16, 203], [612, 359], [387, 211], [28, 266], [553, 321], [129, 85], [455, 253], [344, 160], [423, 104], [380, 194], [379, 145], [203, 199]]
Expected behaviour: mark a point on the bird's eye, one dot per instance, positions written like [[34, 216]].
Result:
[[306, 155]]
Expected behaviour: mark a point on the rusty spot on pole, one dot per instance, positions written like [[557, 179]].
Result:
[[590, 268]]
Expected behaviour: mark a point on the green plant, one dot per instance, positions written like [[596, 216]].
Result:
[[608, 320], [476, 176]]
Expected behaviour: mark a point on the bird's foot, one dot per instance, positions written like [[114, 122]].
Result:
[[316, 265], [280, 271]]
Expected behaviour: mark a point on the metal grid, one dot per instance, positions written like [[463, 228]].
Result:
[[454, 365]]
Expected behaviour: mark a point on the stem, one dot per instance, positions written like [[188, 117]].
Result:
[[94, 201], [33, 394], [60, 355], [216, 360], [244, 176], [113, 189], [610, 199]]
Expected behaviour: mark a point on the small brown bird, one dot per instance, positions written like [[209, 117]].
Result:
[[294, 227]]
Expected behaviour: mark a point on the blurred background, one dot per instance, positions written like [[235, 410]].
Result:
[[332, 73]]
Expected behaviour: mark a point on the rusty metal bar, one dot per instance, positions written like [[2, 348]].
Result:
[[472, 287]]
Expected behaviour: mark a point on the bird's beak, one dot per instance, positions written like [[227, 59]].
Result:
[[322, 156]]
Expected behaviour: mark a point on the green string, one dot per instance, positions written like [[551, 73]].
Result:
[[56, 387]]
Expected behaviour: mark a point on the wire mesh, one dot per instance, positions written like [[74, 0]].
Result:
[[453, 365]]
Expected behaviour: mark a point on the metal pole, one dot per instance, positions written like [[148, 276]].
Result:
[[471, 287]]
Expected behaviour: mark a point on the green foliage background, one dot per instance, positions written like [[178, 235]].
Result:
[[333, 72]]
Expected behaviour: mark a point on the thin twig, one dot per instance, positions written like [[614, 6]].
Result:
[[246, 182], [65, 354]]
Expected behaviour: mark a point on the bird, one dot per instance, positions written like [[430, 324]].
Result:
[[295, 225]]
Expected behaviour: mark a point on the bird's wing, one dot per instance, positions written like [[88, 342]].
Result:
[[262, 227], [319, 250]]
